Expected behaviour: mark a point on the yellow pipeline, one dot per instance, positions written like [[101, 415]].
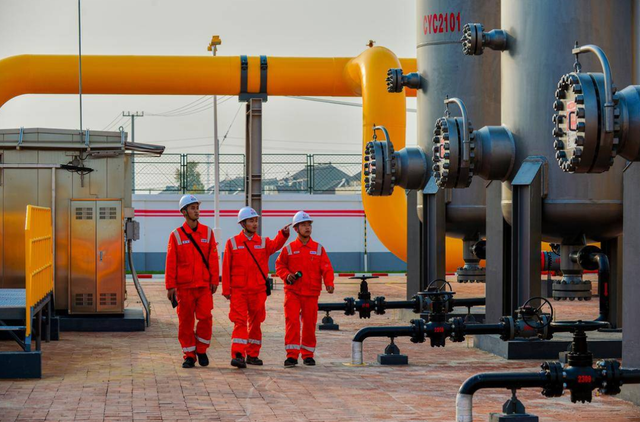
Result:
[[184, 75]]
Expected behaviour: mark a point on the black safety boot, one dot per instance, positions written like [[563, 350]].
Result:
[[238, 361], [203, 359], [254, 361], [309, 361], [290, 362], [189, 362]]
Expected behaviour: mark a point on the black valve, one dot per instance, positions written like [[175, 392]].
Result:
[[396, 80]]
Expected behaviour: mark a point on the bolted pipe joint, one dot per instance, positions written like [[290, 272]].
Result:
[[572, 285], [475, 40], [396, 80], [385, 168], [490, 152]]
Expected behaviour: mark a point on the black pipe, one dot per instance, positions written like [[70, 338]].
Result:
[[336, 306], [399, 304], [630, 376], [475, 329], [472, 301], [513, 380], [507, 380], [604, 277], [364, 333]]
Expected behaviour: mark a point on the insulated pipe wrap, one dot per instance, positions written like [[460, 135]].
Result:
[[464, 407], [356, 353]]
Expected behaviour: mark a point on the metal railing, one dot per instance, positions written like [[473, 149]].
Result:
[[281, 173], [38, 235]]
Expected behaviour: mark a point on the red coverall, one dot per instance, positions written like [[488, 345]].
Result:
[[242, 279], [301, 298], [186, 272]]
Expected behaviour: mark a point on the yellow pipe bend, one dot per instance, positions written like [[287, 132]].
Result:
[[387, 215], [187, 75]]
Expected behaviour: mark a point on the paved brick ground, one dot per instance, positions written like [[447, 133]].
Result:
[[137, 376]]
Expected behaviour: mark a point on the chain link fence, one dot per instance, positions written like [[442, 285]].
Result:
[[335, 173], [281, 173]]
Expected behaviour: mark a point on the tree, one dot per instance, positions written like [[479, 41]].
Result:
[[193, 180]]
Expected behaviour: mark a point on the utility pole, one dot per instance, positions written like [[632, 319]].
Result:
[[133, 122], [133, 139], [213, 47]]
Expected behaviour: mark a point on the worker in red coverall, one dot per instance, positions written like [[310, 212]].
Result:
[[303, 265], [245, 268], [192, 277]]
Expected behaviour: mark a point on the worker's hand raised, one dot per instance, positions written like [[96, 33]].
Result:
[[330, 289], [286, 230], [171, 294], [214, 287], [228, 297]]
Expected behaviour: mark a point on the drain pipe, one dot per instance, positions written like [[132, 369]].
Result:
[[415, 330], [604, 276], [515, 380], [592, 258]]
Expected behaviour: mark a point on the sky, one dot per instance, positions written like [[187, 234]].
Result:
[[293, 28]]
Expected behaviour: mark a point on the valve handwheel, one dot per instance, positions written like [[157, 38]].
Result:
[[537, 312], [440, 290], [442, 287]]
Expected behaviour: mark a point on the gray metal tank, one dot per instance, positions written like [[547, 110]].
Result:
[[446, 72], [541, 37]]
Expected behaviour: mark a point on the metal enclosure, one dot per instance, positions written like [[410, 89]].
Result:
[[97, 247], [78, 269], [541, 37], [446, 72]]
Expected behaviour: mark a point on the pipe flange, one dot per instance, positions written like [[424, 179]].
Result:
[[447, 152], [555, 385], [380, 165], [582, 145], [396, 80], [472, 39], [379, 305], [611, 376], [350, 306], [419, 331], [457, 330]]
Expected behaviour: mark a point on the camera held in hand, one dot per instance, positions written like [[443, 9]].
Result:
[[296, 276]]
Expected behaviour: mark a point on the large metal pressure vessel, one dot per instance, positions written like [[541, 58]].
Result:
[[542, 34], [446, 72]]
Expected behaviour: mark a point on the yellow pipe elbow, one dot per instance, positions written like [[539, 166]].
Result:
[[387, 215]]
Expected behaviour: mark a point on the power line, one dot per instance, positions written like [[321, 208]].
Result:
[[180, 109], [115, 121], [192, 110], [230, 126], [337, 102]]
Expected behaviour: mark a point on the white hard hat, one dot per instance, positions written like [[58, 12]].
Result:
[[246, 213], [300, 217], [187, 200]]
